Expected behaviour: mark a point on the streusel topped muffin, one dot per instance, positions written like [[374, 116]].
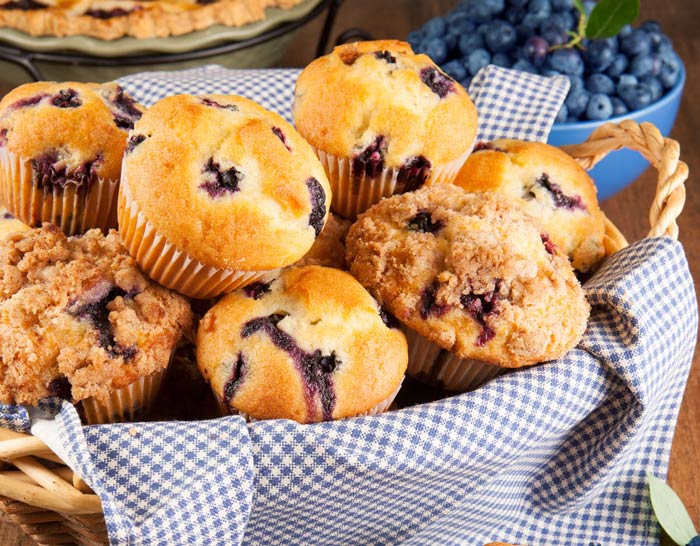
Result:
[[381, 116], [61, 148], [471, 273], [551, 186], [311, 345], [79, 320], [222, 185]]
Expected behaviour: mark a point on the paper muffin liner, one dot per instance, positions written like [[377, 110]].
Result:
[[352, 196], [170, 266], [432, 364], [74, 208], [381, 407], [125, 404]]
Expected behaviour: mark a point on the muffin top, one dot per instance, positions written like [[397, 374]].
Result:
[[72, 133], [470, 272], [551, 186], [311, 345], [381, 105], [78, 317], [226, 181]]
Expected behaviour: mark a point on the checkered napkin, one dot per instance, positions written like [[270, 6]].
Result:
[[548, 455]]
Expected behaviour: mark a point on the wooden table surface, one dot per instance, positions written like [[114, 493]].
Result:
[[628, 210]]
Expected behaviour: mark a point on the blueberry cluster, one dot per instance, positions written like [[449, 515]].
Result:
[[609, 77]]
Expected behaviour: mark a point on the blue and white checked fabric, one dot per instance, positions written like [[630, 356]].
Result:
[[549, 455]]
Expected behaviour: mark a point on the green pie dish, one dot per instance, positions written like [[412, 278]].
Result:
[[263, 54]]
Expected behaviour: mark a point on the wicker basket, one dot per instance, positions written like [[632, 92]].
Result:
[[54, 506]]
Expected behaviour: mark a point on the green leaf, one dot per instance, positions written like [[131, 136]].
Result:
[[670, 511], [579, 6], [609, 16]]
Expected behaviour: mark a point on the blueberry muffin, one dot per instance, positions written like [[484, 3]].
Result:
[[61, 148], [329, 249], [9, 224], [79, 320], [216, 192], [551, 186], [479, 287], [312, 345], [383, 120]]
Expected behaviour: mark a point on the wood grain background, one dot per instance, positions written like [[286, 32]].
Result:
[[629, 209]]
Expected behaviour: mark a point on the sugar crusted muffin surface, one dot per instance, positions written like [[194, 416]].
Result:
[[552, 188], [73, 133], [78, 319], [382, 105], [470, 272], [310, 345], [254, 194]]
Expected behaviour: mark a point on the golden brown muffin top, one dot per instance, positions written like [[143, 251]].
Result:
[[70, 132], [77, 317], [551, 186], [381, 98], [226, 181], [470, 272], [311, 345]]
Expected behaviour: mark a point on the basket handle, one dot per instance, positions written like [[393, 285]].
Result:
[[663, 153]]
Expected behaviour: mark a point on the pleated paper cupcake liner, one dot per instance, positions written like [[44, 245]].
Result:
[[168, 265], [353, 195], [432, 364], [126, 404], [74, 208]]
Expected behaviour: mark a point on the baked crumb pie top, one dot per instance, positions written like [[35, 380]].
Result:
[[112, 19]]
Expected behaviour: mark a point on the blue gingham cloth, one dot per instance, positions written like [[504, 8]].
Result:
[[549, 455]]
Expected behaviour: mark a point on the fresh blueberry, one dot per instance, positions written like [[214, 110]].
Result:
[[502, 60], [470, 42], [599, 107], [549, 72], [600, 83], [534, 20], [562, 115], [515, 14], [617, 66], [562, 5], [636, 97], [459, 23], [598, 56], [626, 80], [415, 37], [525, 66], [435, 28], [651, 26], [435, 48], [645, 65], [501, 37], [540, 7], [518, 3], [466, 82], [455, 69], [664, 44], [477, 11], [619, 106], [566, 61], [654, 85], [588, 6], [555, 37], [477, 60], [451, 41], [536, 49], [577, 102], [576, 83], [636, 42], [670, 69], [625, 31]]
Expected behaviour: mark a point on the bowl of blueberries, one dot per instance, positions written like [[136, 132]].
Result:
[[633, 74]]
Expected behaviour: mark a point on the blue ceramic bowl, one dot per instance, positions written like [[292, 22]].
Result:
[[621, 168]]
